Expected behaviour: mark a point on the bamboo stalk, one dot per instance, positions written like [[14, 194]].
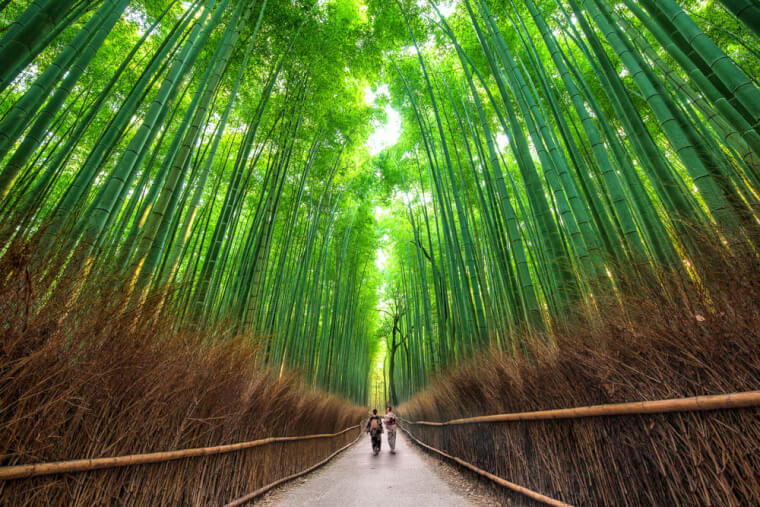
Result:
[[495, 478], [85, 465], [264, 489], [691, 404]]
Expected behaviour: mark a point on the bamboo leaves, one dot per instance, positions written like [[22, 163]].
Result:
[[616, 156]]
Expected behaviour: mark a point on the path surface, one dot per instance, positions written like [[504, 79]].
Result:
[[357, 478]]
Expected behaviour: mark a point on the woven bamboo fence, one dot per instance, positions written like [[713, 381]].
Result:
[[695, 404], [262, 470]]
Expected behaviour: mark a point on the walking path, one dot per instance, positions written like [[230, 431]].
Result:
[[357, 478]]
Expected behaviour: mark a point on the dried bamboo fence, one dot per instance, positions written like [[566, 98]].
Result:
[[85, 465], [247, 498], [29, 471], [741, 400]]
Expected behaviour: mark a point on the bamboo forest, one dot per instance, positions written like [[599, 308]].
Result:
[[232, 221]]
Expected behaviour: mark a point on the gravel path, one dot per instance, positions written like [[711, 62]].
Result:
[[407, 478]]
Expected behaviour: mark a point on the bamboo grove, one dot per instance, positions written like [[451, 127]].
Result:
[[210, 157], [560, 150], [186, 146]]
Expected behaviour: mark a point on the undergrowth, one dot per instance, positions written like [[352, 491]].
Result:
[[672, 337], [96, 375]]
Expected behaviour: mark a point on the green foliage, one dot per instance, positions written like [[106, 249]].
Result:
[[221, 153], [219, 147], [551, 150]]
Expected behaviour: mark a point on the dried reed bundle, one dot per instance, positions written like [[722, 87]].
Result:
[[102, 377]]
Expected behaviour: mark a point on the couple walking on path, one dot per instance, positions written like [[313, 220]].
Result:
[[375, 429]]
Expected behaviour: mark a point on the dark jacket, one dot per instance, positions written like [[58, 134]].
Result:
[[379, 422]]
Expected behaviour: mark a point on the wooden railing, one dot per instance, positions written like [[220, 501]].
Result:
[[17, 472], [691, 404], [84, 465]]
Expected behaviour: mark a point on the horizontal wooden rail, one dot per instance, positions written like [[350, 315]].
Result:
[[84, 465], [264, 489], [692, 404], [495, 478]]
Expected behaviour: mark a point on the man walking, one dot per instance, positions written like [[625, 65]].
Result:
[[390, 428]]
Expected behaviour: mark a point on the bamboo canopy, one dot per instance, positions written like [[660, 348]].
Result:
[[549, 150], [202, 172]]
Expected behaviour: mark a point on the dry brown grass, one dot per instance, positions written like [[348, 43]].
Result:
[[677, 339], [104, 378]]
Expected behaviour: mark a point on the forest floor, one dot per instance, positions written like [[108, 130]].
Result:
[[408, 478]]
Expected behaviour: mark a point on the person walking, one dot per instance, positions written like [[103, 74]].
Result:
[[390, 422], [375, 429]]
